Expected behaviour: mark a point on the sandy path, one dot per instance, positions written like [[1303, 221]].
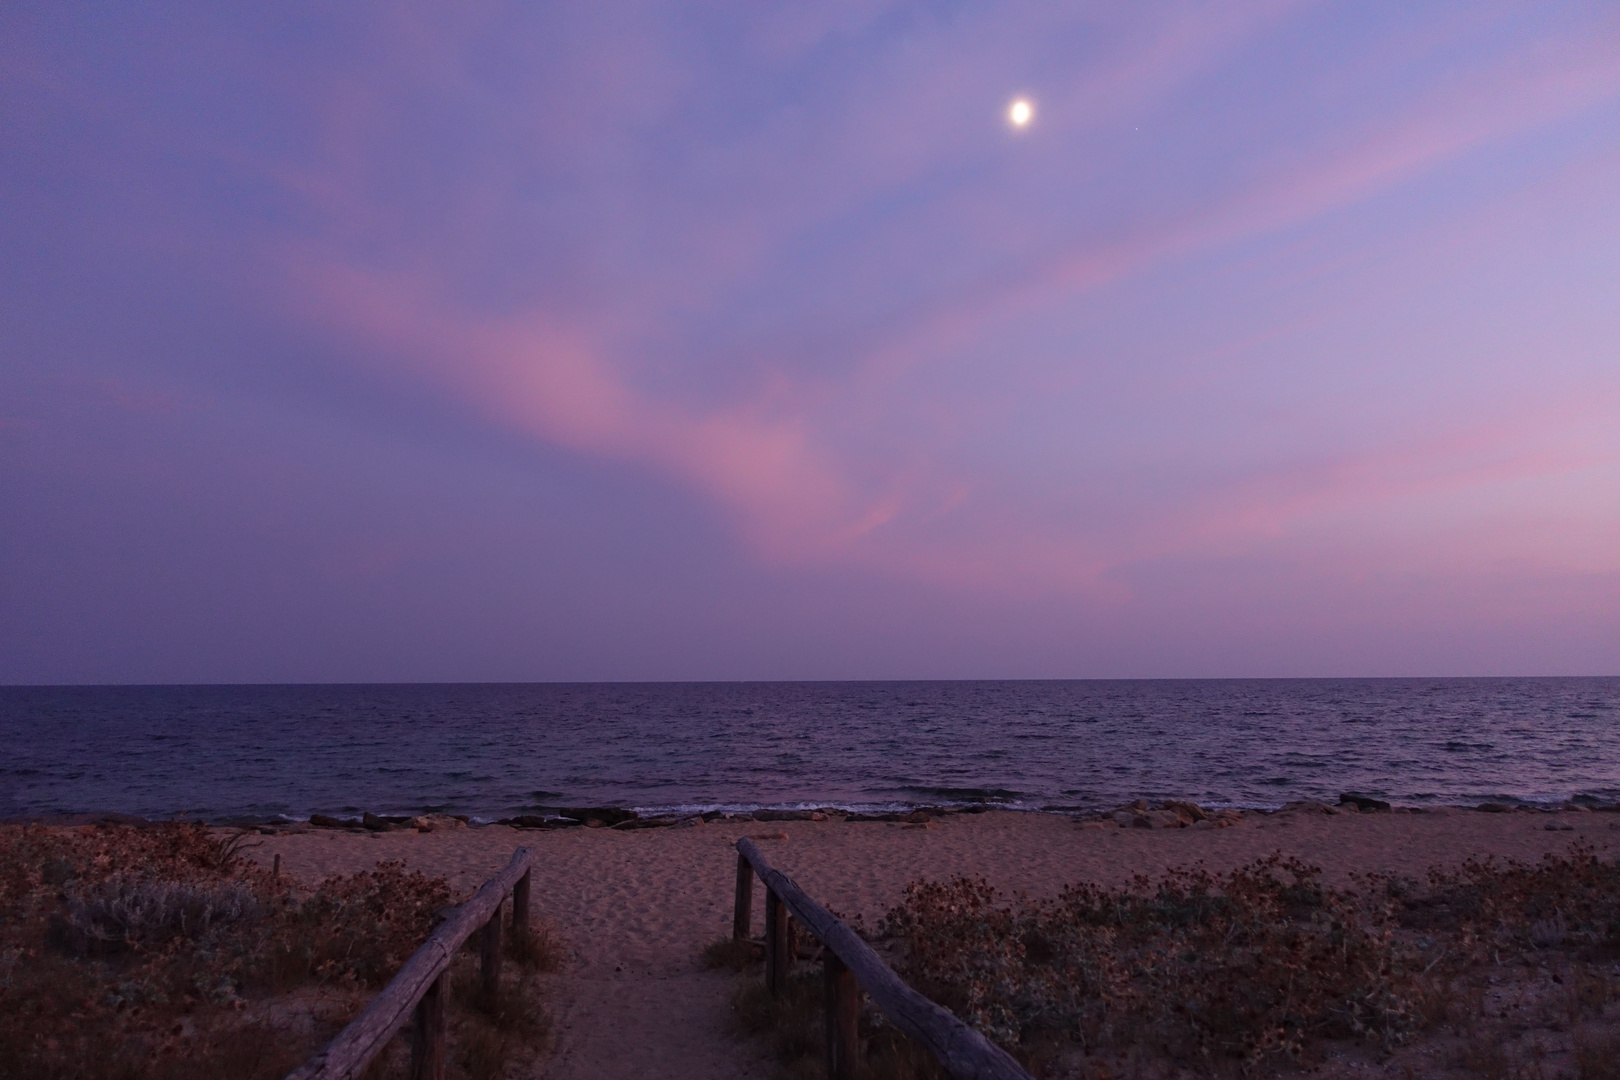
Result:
[[635, 908]]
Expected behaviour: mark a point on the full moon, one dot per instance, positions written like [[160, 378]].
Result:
[[1020, 113]]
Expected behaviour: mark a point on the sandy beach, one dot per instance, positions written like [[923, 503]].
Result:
[[633, 909]]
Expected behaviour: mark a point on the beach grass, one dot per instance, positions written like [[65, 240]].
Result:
[[534, 947], [495, 1031]]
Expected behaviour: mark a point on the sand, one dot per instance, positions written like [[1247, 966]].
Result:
[[634, 909]]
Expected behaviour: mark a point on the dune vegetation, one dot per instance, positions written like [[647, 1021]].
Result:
[[1495, 969], [161, 952]]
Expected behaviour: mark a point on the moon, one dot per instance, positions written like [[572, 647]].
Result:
[[1020, 112]]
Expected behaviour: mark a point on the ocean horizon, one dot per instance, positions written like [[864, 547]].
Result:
[[490, 750]]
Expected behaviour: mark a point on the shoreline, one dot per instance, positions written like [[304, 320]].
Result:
[[662, 816]]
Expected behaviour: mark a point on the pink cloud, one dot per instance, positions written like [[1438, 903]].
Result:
[[1376, 508], [547, 381], [1537, 443], [777, 456]]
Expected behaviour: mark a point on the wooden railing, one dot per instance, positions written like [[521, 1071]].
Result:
[[849, 965], [423, 984]]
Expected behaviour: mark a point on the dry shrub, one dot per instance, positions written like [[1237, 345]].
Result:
[[357, 930], [120, 1052], [123, 915], [124, 952], [134, 952], [232, 1049], [1215, 972], [1564, 901], [1245, 965]]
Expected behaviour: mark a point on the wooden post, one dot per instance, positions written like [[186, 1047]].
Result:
[[427, 1048], [843, 999], [778, 942], [402, 1000], [491, 966], [962, 1051], [275, 871], [742, 919], [520, 905]]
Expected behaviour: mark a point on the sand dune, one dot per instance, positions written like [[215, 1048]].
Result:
[[635, 908]]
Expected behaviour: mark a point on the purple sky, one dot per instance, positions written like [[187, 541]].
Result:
[[623, 341]]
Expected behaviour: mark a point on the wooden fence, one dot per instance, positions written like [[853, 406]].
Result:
[[422, 986], [849, 966]]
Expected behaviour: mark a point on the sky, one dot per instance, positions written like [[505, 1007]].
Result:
[[566, 341]]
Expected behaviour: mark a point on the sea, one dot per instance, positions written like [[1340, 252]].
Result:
[[263, 753]]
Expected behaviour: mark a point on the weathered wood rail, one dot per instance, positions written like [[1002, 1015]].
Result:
[[849, 965], [422, 986]]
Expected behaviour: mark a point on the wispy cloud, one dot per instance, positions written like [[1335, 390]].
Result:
[[1490, 106], [547, 381], [805, 423]]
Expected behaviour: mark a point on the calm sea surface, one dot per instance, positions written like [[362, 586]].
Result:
[[491, 750]]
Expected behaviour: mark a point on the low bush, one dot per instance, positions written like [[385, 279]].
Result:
[[1217, 972], [157, 952], [122, 915], [1565, 901], [355, 930], [1244, 965]]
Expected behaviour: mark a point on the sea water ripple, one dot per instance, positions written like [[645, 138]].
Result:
[[258, 752]]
